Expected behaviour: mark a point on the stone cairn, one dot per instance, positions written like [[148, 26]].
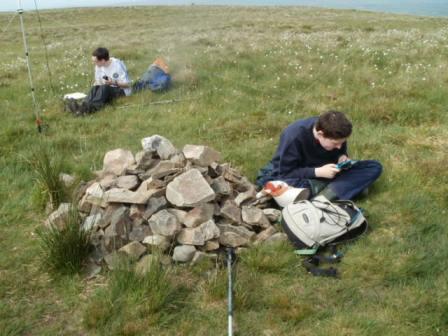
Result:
[[183, 203]]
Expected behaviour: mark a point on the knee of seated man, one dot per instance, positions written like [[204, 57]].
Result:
[[375, 168]]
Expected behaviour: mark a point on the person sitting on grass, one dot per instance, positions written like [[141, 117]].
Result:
[[308, 154], [111, 81]]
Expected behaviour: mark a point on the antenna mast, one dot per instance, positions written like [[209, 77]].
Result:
[[30, 76]]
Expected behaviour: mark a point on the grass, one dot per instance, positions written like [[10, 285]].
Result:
[[65, 250], [240, 75]]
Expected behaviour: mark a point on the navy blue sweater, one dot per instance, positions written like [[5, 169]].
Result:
[[298, 152]]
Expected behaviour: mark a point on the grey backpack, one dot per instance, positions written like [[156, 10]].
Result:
[[319, 222]]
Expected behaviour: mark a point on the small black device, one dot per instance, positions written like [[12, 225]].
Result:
[[105, 77]]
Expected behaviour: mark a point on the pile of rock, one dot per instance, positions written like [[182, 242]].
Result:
[[184, 203]]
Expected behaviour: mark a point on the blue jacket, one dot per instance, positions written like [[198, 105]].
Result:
[[298, 152]]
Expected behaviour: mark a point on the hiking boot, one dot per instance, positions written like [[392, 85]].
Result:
[[84, 108], [72, 105]]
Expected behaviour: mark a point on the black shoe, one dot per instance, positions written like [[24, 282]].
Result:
[[84, 108], [73, 106]]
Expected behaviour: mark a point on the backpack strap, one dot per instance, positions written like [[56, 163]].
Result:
[[310, 251], [311, 265]]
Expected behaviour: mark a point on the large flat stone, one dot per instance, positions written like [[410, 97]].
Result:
[[189, 190], [117, 195]]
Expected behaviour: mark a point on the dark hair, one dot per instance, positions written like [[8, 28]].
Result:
[[334, 125], [101, 54]]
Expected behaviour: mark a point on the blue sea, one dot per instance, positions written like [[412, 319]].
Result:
[[414, 7]]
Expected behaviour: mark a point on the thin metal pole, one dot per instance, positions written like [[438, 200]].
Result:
[[230, 292], [28, 63]]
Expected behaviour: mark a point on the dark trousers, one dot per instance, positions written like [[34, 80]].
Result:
[[100, 95], [346, 185], [350, 183]]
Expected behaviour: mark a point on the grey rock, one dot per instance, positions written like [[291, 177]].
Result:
[[178, 159], [84, 206], [154, 204], [67, 180], [162, 146], [107, 215], [255, 217], [201, 155], [191, 237], [117, 160], [199, 215], [164, 223], [151, 183], [245, 196], [139, 233], [211, 245], [159, 241], [136, 211], [145, 160], [162, 169], [117, 233], [134, 250], [232, 239], [273, 215], [265, 234], [184, 253], [221, 187], [91, 222], [209, 230], [117, 195], [108, 181], [58, 218], [180, 214], [189, 190], [230, 174], [95, 195], [128, 182], [279, 236], [240, 230], [231, 211]]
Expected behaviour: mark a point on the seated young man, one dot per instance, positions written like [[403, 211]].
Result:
[[111, 81], [308, 154]]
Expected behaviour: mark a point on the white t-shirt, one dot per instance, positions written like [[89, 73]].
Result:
[[116, 70]]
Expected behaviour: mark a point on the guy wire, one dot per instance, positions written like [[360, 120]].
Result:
[[50, 77]]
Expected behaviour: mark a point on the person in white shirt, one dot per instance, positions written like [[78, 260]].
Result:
[[111, 81]]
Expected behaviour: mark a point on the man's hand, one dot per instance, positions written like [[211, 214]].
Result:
[[109, 82], [343, 158], [328, 171]]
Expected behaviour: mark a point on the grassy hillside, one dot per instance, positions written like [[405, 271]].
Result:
[[240, 76]]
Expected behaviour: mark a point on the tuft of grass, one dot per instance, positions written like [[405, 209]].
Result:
[[47, 165], [65, 250], [132, 301]]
